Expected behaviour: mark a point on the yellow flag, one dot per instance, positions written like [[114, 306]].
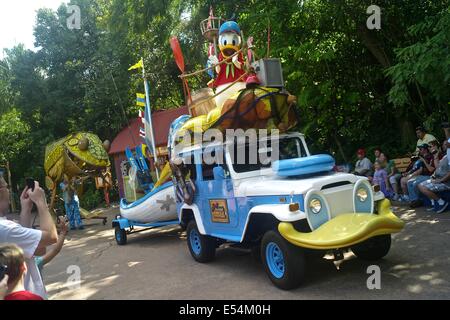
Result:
[[140, 99], [138, 65]]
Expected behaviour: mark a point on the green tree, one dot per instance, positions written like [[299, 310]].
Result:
[[14, 136], [421, 76], [355, 86]]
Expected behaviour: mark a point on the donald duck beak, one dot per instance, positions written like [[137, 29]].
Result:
[[228, 50]]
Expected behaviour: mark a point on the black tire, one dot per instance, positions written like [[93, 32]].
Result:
[[373, 248], [201, 247], [120, 235], [293, 261]]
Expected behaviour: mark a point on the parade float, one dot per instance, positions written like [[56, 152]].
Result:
[[79, 155], [280, 209], [155, 209]]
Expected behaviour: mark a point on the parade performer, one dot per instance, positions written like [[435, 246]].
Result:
[[71, 203], [230, 42], [107, 184]]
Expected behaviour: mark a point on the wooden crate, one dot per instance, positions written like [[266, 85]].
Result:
[[202, 102]]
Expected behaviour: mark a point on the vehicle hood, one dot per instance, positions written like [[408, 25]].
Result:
[[275, 185]]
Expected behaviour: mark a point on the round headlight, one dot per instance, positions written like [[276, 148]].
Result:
[[362, 194], [315, 205]]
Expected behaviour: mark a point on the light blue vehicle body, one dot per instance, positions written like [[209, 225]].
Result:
[[266, 191]]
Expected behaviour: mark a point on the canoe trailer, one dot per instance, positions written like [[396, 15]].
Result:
[[124, 227]]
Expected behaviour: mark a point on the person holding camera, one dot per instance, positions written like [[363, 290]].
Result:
[[446, 128], [50, 254], [439, 182], [28, 239], [436, 152], [418, 173], [430, 159]]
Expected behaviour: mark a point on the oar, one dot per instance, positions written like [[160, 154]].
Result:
[[179, 60], [177, 53]]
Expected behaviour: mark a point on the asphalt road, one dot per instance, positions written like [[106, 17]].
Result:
[[156, 264]]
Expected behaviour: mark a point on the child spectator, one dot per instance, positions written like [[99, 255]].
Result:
[[380, 178], [378, 154], [12, 257], [41, 261], [392, 174]]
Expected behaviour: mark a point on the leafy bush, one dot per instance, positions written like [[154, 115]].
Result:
[[91, 198]]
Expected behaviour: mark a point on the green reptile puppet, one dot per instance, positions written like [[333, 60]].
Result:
[[79, 154]]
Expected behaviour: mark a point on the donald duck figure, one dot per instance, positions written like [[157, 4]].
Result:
[[232, 69]]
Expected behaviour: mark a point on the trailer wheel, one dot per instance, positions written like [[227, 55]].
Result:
[[120, 235], [283, 262], [373, 248], [202, 248]]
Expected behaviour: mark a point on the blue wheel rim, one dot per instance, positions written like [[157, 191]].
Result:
[[118, 236], [275, 260], [194, 238]]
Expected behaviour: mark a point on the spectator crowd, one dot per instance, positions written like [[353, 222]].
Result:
[[25, 250], [426, 180]]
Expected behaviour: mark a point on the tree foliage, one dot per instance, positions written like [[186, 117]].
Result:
[[355, 86], [14, 136]]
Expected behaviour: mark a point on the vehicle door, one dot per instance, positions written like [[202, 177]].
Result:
[[214, 184]]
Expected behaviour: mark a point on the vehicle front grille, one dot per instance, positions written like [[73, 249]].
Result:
[[341, 200]]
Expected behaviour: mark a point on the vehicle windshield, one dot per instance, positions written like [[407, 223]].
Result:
[[248, 157]]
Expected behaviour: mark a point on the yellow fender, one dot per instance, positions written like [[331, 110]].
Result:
[[165, 174], [345, 230]]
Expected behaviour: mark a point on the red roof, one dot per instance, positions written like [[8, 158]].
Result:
[[161, 120]]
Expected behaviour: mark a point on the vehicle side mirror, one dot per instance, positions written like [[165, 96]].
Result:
[[219, 173]]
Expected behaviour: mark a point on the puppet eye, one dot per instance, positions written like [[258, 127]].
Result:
[[236, 40]]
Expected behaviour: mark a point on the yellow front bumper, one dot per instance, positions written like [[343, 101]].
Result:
[[345, 230]]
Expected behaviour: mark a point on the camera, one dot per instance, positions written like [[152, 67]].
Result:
[[30, 183]]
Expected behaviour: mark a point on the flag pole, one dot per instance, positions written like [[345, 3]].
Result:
[[147, 108]]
